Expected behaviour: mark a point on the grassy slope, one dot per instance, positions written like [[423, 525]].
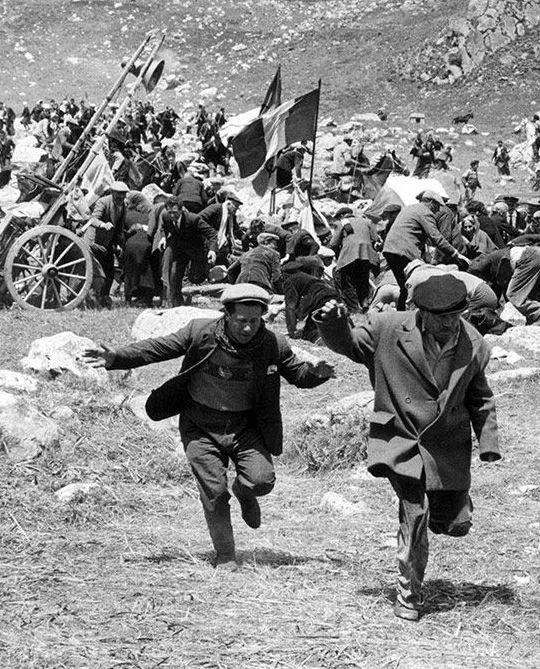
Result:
[[122, 578]]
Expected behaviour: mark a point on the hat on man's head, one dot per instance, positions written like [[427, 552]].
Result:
[[266, 237], [245, 292], [391, 209], [231, 194], [441, 295], [325, 252], [343, 211], [119, 187], [431, 195]]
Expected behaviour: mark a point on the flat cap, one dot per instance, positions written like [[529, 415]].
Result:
[[391, 209], [119, 187], [432, 195], [442, 294], [231, 194], [325, 252], [266, 237], [343, 211], [245, 292]]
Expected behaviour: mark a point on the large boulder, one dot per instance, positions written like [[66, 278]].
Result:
[[158, 323], [61, 353], [24, 432], [524, 337]]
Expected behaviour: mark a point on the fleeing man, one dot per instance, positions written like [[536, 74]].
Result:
[[427, 368], [227, 394]]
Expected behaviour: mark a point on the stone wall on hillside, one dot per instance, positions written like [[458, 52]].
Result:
[[488, 26]]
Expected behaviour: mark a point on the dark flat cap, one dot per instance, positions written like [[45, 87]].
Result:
[[442, 294], [245, 292]]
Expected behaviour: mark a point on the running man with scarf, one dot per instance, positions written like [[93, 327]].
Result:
[[230, 385]]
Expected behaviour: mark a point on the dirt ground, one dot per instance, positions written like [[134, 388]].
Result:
[[123, 577]]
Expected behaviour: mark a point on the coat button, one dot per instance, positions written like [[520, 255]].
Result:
[[407, 400]]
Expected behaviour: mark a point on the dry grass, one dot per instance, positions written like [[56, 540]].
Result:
[[122, 577]]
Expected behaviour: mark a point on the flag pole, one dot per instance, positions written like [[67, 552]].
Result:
[[314, 142]]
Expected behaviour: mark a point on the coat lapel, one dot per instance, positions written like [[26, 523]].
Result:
[[467, 346], [410, 341]]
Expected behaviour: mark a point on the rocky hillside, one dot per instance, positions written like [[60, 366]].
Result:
[[362, 50]]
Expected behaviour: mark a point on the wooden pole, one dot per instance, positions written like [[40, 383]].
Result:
[[100, 141], [314, 141], [99, 111]]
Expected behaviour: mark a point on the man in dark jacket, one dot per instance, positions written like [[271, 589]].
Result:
[[414, 227], [427, 368], [222, 217], [192, 193], [230, 385], [260, 266], [188, 240]]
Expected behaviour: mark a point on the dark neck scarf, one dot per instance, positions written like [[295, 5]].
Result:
[[234, 348]]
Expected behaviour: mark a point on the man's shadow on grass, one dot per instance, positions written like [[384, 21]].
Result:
[[257, 557], [443, 595]]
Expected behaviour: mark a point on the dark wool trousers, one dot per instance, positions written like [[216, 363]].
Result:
[[212, 438], [442, 511]]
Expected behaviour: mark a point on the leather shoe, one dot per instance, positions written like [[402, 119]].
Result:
[[251, 511], [226, 563], [406, 613]]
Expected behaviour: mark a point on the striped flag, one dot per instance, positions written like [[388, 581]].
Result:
[[273, 94], [293, 121]]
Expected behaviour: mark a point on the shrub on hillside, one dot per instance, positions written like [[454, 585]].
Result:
[[338, 446]]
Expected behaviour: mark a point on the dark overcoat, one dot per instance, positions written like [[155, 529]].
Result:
[[417, 430]]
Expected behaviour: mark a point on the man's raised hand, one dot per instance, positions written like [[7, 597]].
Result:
[[322, 369], [98, 357]]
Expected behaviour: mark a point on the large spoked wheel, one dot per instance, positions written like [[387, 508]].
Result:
[[48, 267]]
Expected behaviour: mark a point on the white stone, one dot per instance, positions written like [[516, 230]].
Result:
[[158, 323], [68, 492], [525, 337], [62, 353], [519, 374], [209, 92], [17, 381], [136, 405], [62, 413], [511, 315], [360, 404], [25, 433], [335, 502]]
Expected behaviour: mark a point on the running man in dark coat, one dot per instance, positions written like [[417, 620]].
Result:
[[427, 368], [230, 409]]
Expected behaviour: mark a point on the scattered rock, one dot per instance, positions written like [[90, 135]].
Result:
[[60, 353], [336, 502], [526, 337], [62, 413], [17, 381], [158, 323], [511, 315], [24, 432], [68, 492], [360, 403], [519, 374]]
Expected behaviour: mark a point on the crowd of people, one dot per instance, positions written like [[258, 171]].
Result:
[[422, 282]]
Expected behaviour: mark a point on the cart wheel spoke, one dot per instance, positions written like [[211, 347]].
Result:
[[73, 292], [33, 289], [65, 251], [71, 276], [69, 264], [56, 294], [32, 277], [27, 251]]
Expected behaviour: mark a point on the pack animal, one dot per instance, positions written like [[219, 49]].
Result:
[[462, 119]]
